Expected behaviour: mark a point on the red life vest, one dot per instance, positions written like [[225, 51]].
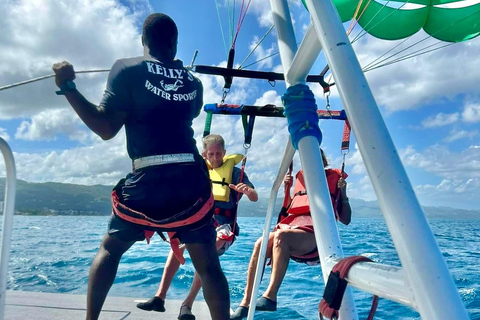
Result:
[[300, 204]]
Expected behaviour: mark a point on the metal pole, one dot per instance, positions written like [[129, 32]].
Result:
[[324, 223], [328, 241], [8, 211], [286, 160], [305, 57], [425, 269]]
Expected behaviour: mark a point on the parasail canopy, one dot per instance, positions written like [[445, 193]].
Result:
[[446, 20]]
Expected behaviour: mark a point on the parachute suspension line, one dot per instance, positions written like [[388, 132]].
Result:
[[221, 28], [353, 23], [372, 63], [355, 19], [256, 46], [231, 18], [17, 84], [406, 57], [365, 30], [260, 60], [414, 54], [241, 17]]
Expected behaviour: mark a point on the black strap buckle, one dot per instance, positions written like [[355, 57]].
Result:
[[334, 290]]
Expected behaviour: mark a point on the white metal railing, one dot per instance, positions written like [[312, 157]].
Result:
[[8, 211], [424, 281]]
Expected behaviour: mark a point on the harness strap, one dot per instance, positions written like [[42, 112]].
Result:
[[223, 183], [174, 243], [286, 200], [336, 286], [139, 218], [200, 210]]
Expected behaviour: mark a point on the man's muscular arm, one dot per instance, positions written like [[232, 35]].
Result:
[[104, 124]]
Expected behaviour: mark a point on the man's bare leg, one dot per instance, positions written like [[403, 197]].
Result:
[[285, 243], [197, 283], [215, 286], [102, 273]]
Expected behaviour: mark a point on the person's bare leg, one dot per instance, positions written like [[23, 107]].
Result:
[[252, 267], [171, 267], [197, 282], [102, 273], [157, 303], [194, 289], [285, 243], [214, 283]]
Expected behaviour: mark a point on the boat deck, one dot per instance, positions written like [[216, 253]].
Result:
[[21, 305]]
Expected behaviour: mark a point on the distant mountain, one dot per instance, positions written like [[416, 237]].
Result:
[[52, 198], [361, 209]]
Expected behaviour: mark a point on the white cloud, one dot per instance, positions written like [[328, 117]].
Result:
[[444, 163], [4, 134], [48, 124], [37, 33], [423, 80], [460, 134], [261, 55], [441, 119], [103, 162], [471, 113]]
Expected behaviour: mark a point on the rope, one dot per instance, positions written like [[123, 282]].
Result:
[[408, 57], [241, 17], [256, 46], [46, 77], [364, 31], [221, 27], [413, 54]]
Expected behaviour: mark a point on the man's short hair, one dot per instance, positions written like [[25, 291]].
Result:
[[159, 31], [213, 139]]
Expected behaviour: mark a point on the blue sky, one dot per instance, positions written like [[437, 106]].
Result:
[[431, 103]]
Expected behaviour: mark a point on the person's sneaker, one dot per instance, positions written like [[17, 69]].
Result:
[[186, 313], [265, 304], [240, 313], [154, 304]]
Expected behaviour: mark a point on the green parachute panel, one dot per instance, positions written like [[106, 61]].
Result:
[[442, 19]]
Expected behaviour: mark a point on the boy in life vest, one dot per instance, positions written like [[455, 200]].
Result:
[[227, 190], [140, 95], [293, 238]]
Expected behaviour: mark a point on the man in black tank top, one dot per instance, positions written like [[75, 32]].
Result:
[[156, 99]]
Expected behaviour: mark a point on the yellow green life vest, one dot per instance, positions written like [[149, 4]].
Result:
[[222, 176]]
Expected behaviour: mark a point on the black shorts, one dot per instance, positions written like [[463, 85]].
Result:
[[128, 231], [161, 192]]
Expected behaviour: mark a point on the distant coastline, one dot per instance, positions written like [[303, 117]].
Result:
[[64, 199]]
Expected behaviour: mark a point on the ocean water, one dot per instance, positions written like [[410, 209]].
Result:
[[53, 254]]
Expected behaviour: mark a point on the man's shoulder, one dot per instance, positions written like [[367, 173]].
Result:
[[130, 62]]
